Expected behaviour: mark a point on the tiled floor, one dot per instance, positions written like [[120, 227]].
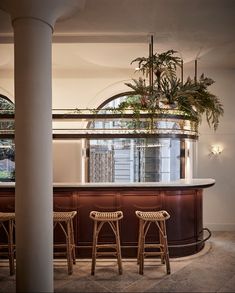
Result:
[[212, 270]]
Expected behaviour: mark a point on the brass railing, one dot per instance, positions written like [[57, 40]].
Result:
[[105, 123]]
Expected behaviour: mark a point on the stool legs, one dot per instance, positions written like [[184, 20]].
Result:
[[69, 249], [139, 242], [119, 257], [11, 248], [141, 247], [95, 246], [71, 256], [7, 223], [94, 250], [65, 221], [73, 243], [162, 246], [165, 245], [144, 226]]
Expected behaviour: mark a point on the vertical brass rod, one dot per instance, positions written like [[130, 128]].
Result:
[[195, 75], [182, 71], [151, 62], [182, 158]]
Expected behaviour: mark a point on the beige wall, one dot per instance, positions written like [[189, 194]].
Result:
[[68, 165], [85, 92], [219, 201]]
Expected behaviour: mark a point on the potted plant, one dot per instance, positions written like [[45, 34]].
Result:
[[164, 91]]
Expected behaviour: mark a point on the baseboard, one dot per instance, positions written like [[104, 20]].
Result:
[[220, 227]]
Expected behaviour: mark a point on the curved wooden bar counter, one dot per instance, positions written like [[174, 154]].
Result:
[[182, 199]]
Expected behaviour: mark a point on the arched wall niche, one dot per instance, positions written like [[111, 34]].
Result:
[[108, 93]]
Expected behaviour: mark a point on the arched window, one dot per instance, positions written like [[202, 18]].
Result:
[[147, 159], [7, 146]]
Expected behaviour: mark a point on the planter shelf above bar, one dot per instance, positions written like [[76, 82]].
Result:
[[106, 123]]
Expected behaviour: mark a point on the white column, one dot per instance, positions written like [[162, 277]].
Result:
[[33, 22], [33, 138]]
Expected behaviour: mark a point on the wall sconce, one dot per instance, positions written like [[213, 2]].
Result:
[[216, 149]]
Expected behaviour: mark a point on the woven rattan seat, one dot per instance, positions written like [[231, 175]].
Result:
[[7, 216], [145, 220], [65, 221], [111, 218], [7, 221], [63, 216], [153, 216], [106, 216]]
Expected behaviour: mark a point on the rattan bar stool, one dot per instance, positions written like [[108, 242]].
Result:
[[7, 221], [145, 220], [65, 221], [100, 218]]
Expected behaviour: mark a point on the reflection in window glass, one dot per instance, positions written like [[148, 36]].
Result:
[[7, 160], [132, 160], [7, 146]]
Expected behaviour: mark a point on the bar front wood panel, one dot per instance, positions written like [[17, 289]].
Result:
[[65, 200], [185, 224], [91, 201], [131, 201], [184, 205]]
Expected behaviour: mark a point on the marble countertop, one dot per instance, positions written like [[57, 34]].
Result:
[[196, 182]]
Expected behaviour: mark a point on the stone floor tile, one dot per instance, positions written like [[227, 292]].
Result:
[[211, 270], [80, 286], [229, 286]]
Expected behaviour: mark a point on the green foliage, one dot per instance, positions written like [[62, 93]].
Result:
[[194, 99], [5, 174], [168, 92], [6, 107], [164, 63]]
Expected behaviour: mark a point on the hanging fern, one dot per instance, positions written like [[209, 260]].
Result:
[[195, 99], [167, 91]]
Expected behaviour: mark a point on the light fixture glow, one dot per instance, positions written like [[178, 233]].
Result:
[[216, 149]]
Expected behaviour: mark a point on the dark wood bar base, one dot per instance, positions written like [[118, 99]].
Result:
[[184, 204]]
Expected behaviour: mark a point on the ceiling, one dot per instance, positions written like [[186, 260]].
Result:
[[105, 35]]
